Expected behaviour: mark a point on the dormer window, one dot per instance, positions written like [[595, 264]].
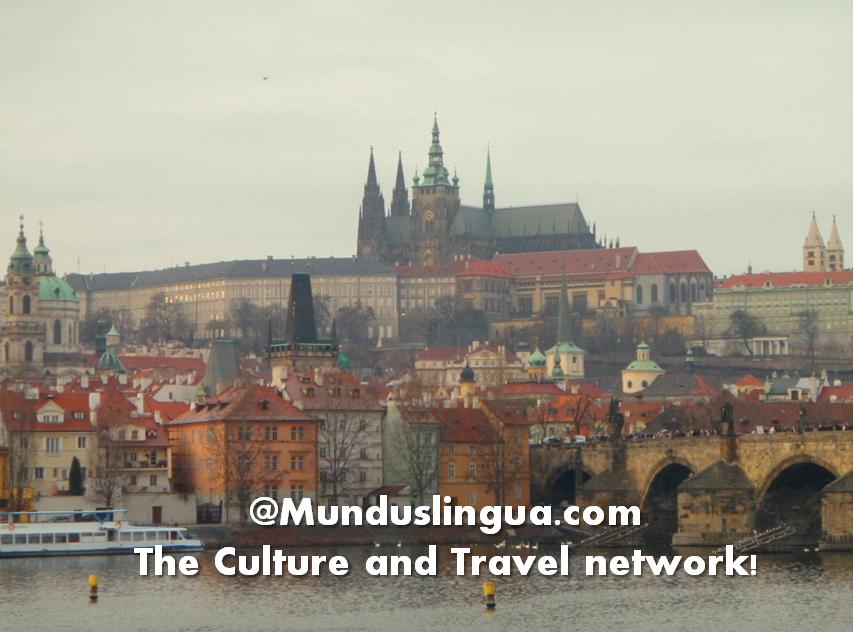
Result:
[[134, 435], [79, 415]]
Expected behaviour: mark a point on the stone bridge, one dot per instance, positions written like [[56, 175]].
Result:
[[710, 489]]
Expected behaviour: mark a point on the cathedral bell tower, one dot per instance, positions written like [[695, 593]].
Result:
[[435, 203], [371, 216]]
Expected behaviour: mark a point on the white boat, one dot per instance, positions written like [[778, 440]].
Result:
[[90, 532]]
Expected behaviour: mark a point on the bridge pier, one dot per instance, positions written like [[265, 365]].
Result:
[[836, 515]]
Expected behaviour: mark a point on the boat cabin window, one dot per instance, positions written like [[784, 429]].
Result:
[[20, 539], [111, 536], [125, 537], [173, 535], [62, 538], [34, 538], [163, 535], [6, 539], [151, 536], [139, 536], [47, 538], [73, 538]]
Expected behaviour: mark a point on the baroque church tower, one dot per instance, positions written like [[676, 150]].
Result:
[[435, 203]]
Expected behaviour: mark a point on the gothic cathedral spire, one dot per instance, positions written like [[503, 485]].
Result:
[[371, 216], [399, 197], [488, 190]]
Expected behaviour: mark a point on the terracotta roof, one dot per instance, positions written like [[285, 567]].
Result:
[[533, 388], [594, 261], [759, 280], [244, 404], [841, 393], [482, 268], [341, 390], [750, 380], [464, 425], [168, 410], [669, 262], [181, 364], [440, 353]]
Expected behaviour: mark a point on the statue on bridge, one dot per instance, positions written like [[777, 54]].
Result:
[[616, 420], [727, 421]]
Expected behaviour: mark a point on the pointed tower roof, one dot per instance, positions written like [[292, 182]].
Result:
[[372, 171], [41, 249], [488, 189], [21, 260], [834, 243], [399, 197], [814, 235], [436, 173]]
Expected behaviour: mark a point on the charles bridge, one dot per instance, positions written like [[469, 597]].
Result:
[[709, 490]]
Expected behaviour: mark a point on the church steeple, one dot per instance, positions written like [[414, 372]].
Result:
[[400, 196], [813, 249], [371, 215], [436, 173], [41, 255], [835, 251], [488, 190], [21, 260]]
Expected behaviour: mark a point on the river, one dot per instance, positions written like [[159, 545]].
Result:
[[807, 591]]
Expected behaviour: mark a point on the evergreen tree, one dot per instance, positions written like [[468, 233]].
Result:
[[75, 478]]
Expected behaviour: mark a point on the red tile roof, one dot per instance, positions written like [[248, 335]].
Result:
[[750, 380], [841, 393], [532, 388], [669, 262], [168, 410], [245, 404], [341, 390], [482, 268], [759, 280], [440, 353], [593, 261], [464, 425], [180, 364]]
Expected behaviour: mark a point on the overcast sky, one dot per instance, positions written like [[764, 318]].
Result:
[[144, 134]]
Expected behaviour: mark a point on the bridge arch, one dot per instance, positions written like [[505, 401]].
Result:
[[659, 508], [564, 484], [791, 494]]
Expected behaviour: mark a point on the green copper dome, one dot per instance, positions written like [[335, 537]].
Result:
[[21, 260], [343, 360], [537, 359], [565, 347], [52, 288], [110, 361]]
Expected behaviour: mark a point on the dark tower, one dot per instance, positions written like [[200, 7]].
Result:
[[300, 327], [371, 216], [400, 196], [435, 203], [488, 190]]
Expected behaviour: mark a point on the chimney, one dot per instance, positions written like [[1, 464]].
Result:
[[140, 404], [84, 380]]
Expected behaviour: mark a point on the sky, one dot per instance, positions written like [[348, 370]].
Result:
[[144, 135]]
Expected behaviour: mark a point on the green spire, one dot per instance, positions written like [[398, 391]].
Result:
[[564, 329], [436, 173], [21, 260], [488, 190], [557, 370]]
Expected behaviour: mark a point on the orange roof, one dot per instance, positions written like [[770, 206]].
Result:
[[464, 425], [750, 381], [483, 268], [587, 262], [244, 404], [842, 393], [440, 353], [761, 280], [168, 410], [669, 262], [531, 387]]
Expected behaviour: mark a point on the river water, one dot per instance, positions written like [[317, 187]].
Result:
[[807, 591]]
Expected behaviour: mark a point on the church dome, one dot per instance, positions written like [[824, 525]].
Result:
[[537, 359], [52, 288], [467, 374]]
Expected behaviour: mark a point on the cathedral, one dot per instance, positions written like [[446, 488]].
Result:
[[437, 229], [40, 328]]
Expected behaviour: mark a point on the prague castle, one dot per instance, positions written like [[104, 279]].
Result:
[[438, 229]]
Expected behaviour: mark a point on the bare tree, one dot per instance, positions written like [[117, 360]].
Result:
[[19, 458], [500, 465], [745, 326], [417, 443], [106, 477], [808, 328], [237, 453], [339, 435]]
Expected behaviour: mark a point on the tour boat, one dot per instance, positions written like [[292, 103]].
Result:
[[88, 532]]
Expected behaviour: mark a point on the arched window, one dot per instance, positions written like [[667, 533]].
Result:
[[57, 332], [639, 293], [11, 305], [6, 351], [693, 291], [26, 304], [653, 293], [28, 352], [672, 293], [683, 292], [428, 227]]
